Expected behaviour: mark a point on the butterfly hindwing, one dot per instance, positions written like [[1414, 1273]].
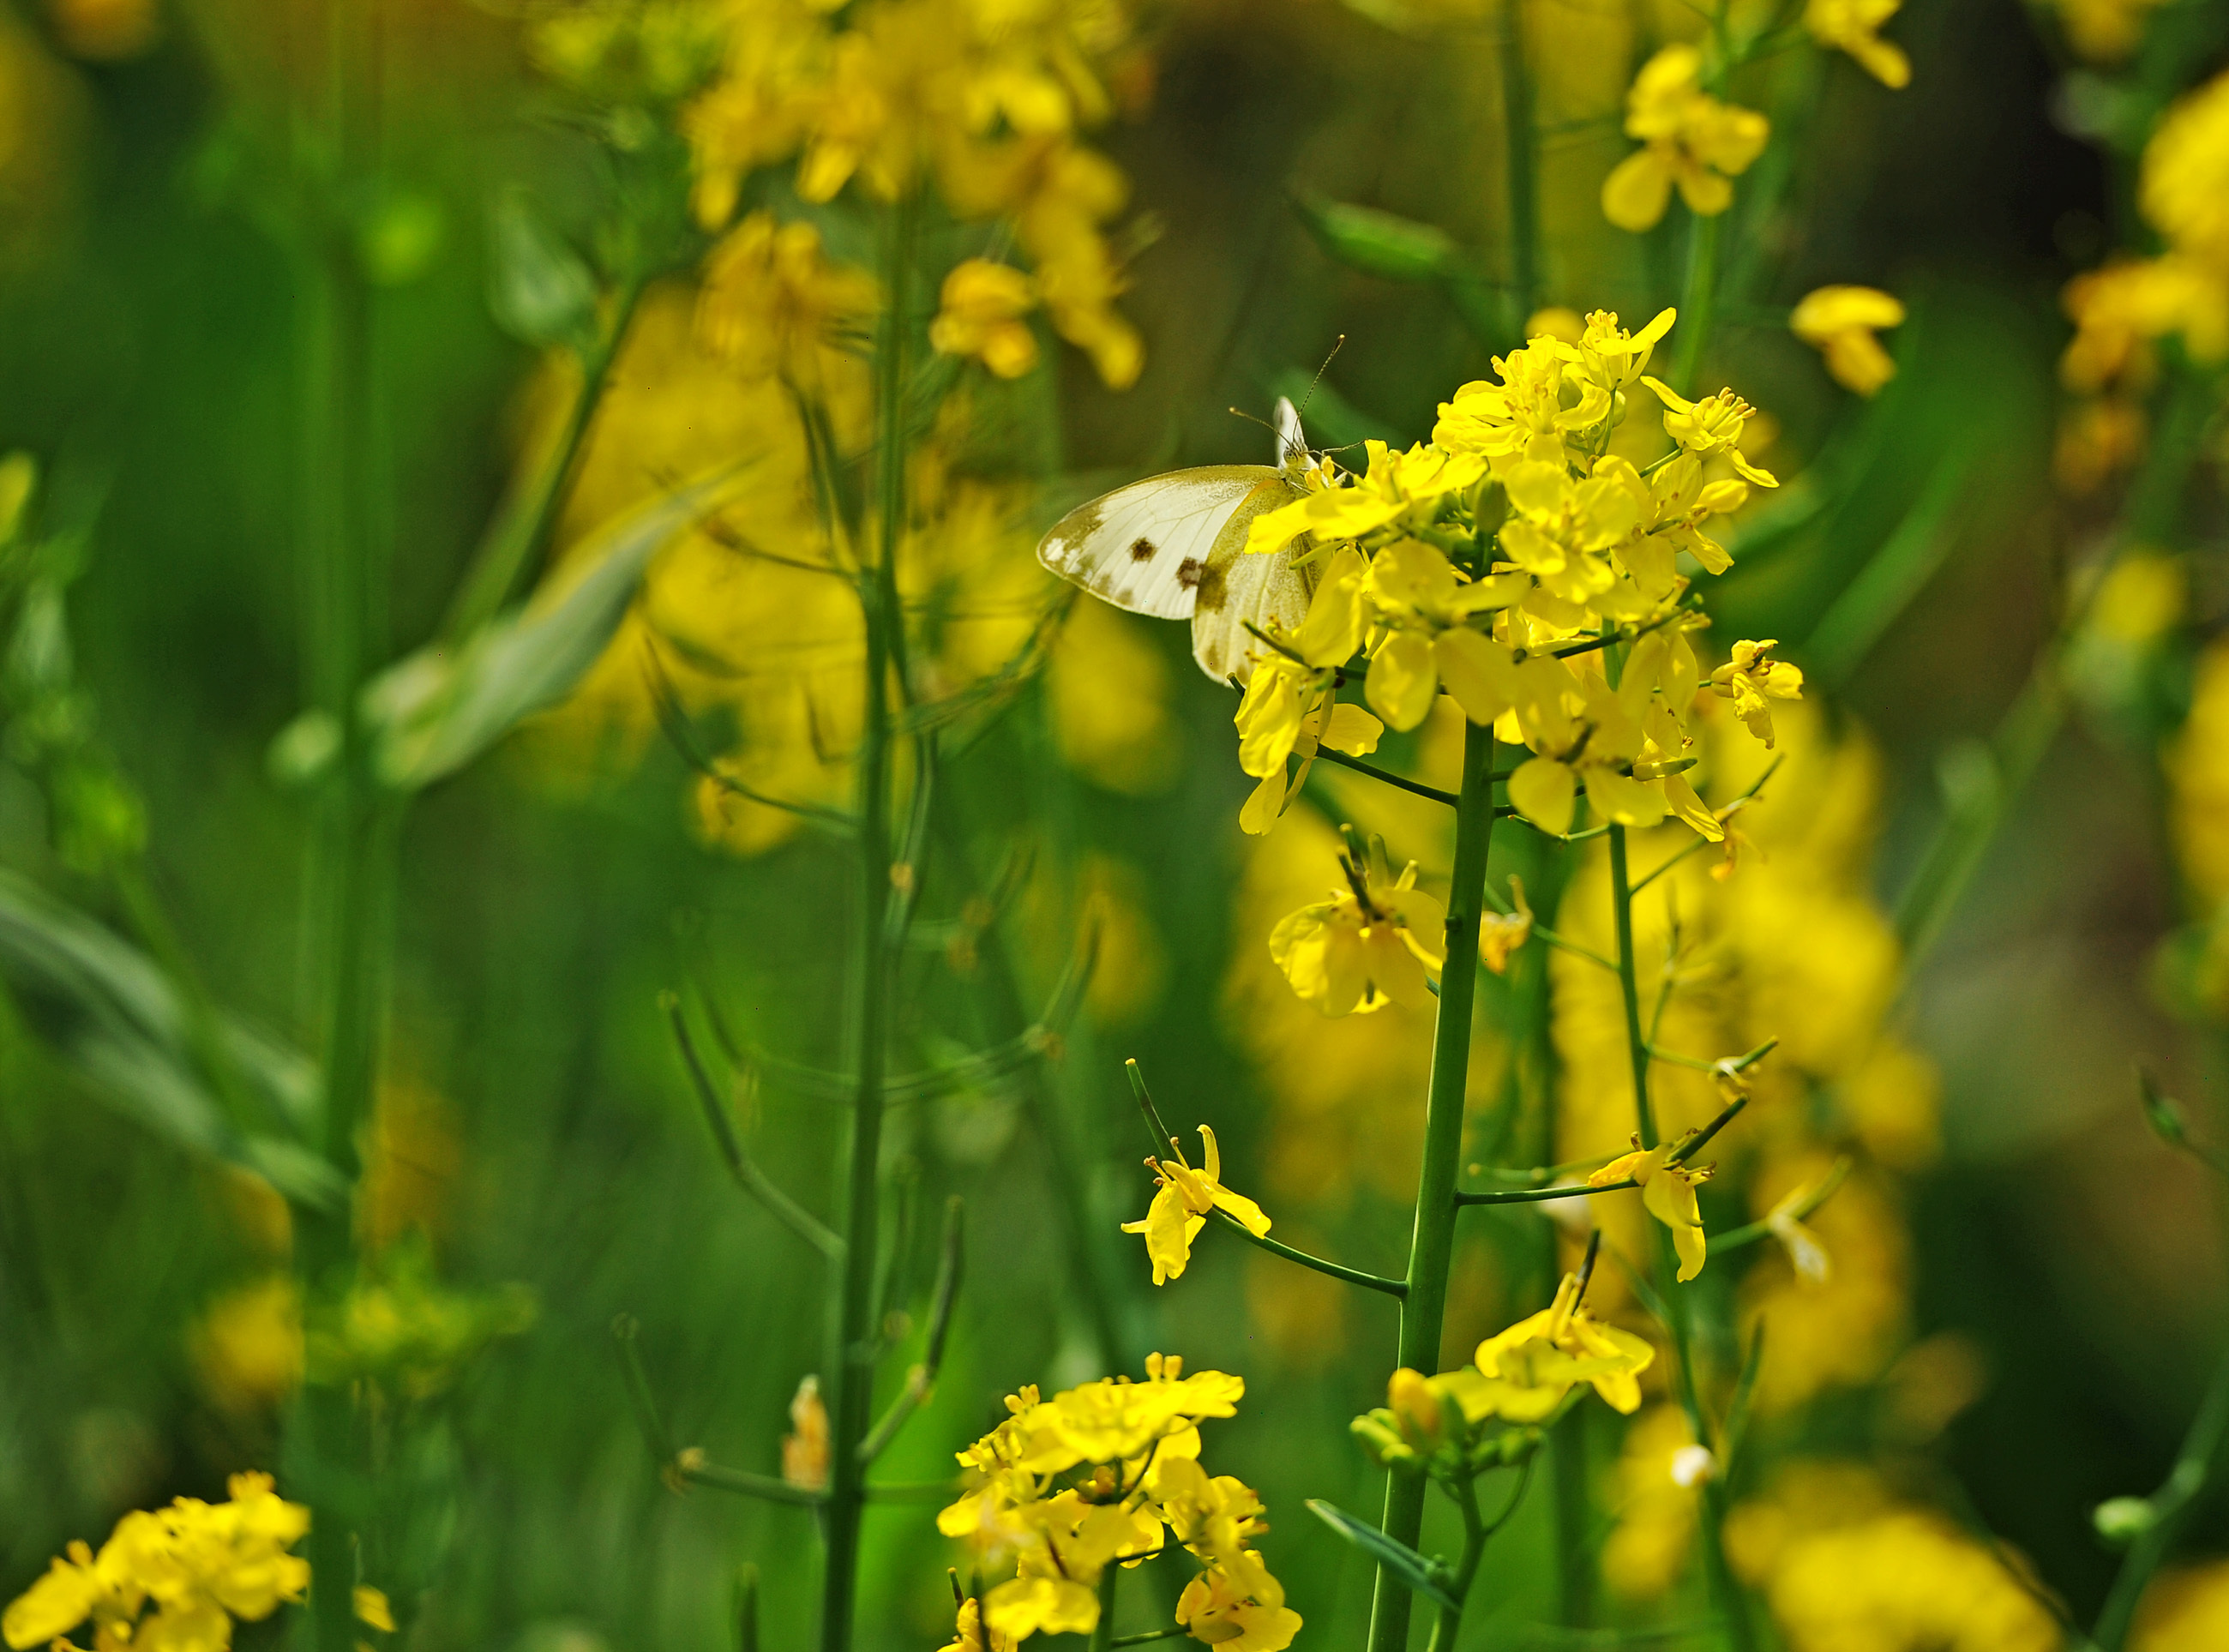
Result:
[[1238, 591], [1147, 547]]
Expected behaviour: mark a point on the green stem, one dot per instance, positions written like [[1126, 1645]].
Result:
[[2171, 1508], [1103, 1633], [851, 1360], [1697, 301], [1520, 145], [1725, 1592], [1336, 1270], [1377, 774], [523, 526], [1449, 1623], [1432, 1242]]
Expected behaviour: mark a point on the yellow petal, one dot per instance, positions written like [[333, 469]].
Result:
[[1402, 680], [1637, 191], [1543, 792]]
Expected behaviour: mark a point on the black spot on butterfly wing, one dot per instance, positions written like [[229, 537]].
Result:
[[1142, 549], [1207, 584]]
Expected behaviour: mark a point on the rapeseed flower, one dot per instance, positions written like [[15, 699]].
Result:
[[1689, 138], [1840, 322], [1752, 679], [1711, 427], [2184, 187], [1526, 414], [1668, 1190], [1378, 941], [1853, 26], [981, 316], [1180, 1208], [1610, 1359], [774, 304]]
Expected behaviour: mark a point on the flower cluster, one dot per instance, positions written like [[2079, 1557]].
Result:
[[984, 99], [172, 1580], [1688, 138], [1106, 1475], [2122, 311]]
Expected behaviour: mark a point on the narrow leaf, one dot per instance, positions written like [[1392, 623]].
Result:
[[1378, 243], [1411, 1568]]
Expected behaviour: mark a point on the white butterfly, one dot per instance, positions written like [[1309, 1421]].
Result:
[[1174, 547]]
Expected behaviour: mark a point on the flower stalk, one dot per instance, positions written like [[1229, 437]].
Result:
[[1432, 1241]]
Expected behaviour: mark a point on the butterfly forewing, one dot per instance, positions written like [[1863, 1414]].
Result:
[[1147, 547]]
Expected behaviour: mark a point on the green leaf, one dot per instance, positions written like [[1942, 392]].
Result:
[[433, 711], [1427, 1577], [538, 287], [1378, 243], [111, 1013]]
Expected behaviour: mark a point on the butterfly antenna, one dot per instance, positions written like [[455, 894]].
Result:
[[1337, 344], [1254, 418]]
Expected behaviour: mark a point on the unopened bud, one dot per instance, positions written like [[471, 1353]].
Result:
[[1416, 1408], [2121, 1520]]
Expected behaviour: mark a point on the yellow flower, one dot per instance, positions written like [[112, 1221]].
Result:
[[1808, 1258], [372, 1608], [246, 1346], [1213, 1612], [1840, 323], [1689, 138], [1396, 487], [1853, 26], [1180, 1207], [1525, 416], [1751, 679], [1601, 753], [1039, 1605], [2120, 310], [1561, 531], [1710, 428], [773, 304], [1668, 1191], [2184, 188], [1610, 1359], [1291, 704], [969, 1635], [1378, 941], [981, 315], [1501, 933], [805, 1447], [1423, 602], [199, 1565], [2104, 30]]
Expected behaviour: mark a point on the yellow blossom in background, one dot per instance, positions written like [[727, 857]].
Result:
[[2105, 31], [1109, 690], [246, 1345], [1557, 321], [1668, 1190], [2184, 188], [1501, 933], [1840, 323], [1179, 1209], [970, 1635], [981, 316], [1377, 941], [2185, 1611], [1839, 1327], [1610, 1359], [1648, 1549], [1690, 138], [2197, 765], [372, 1609], [197, 1565], [805, 1447], [413, 1160], [1752, 679], [1853, 26], [1842, 1565], [2142, 597], [773, 303]]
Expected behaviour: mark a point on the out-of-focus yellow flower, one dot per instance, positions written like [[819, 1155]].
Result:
[[2144, 595], [198, 1565], [246, 1346], [2184, 187], [2120, 310], [1840, 1564], [981, 316], [1180, 1207], [2185, 1611], [1556, 321], [2198, 777], [1690, 138], [372, 1609], [805, 1447], [1668, 1191], [970, 1635], [412, 1161], [1853, 26], [106, 31], [1378, 941], [1648, 1549], [1109, 690], [1840, 322], [1752, 679], [2099, 438], [773, 303], [1501, 933], [2104, 31], [1610, 1359], [1838, 1327]]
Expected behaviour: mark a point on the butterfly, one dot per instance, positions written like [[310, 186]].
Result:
[[1174, 546]]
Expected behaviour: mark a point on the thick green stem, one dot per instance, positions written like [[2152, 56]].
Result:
[[1449, 1623], [1103, 1633], [1520, 148], [1432, 1243], [852, 1358], [1725, 1592], [2171, 1508], [1697, 301]]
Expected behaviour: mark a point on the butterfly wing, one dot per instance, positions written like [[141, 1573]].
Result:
[[1147, 547], [1238, 591]]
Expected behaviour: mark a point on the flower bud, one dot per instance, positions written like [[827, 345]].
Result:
[[1416, 1408], [2121, 1520]]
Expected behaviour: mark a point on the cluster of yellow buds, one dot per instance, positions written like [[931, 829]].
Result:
[[1106, 1475]]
